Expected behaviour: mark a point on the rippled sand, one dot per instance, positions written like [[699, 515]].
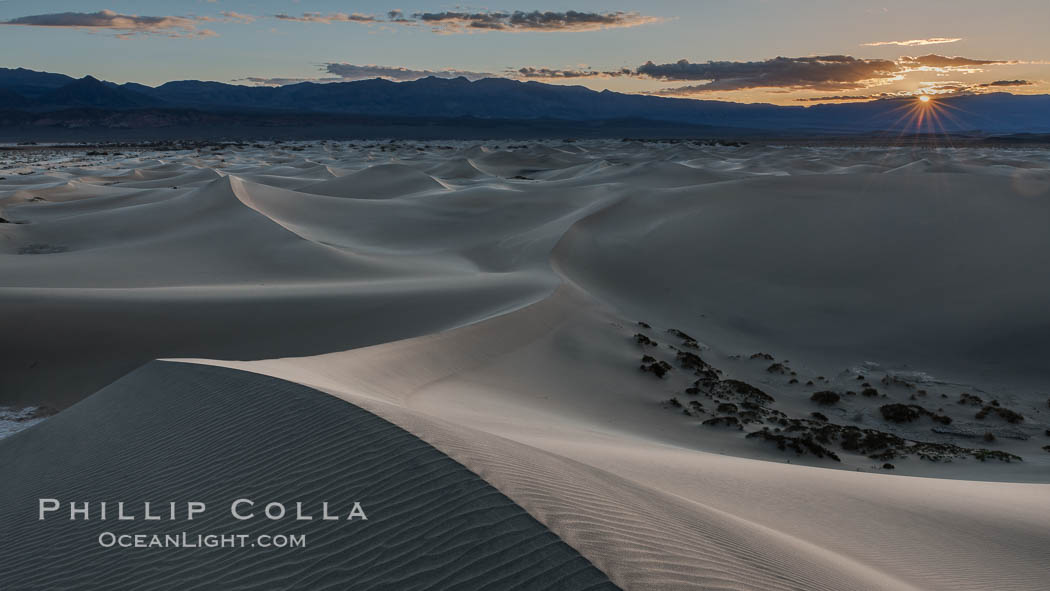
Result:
[[487, 299]]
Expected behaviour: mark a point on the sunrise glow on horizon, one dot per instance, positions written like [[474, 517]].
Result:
[[702, 50]]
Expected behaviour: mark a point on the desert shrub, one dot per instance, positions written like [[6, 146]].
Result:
[[747, 390], [825, 397], [989, 454], [888, 380], [723, 422], [680, 334], [800, 445], [900, 413], [1004, 413], [700, 367], [727, 407], [657, 368]]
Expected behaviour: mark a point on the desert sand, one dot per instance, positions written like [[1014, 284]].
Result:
[[498, 301], [162, 432]]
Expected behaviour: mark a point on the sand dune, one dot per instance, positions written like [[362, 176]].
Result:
[[580, 446], [487, 299], [377, 182], [180, 431]]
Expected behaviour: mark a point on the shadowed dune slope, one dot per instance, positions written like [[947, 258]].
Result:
[[382, 181], [923, 269], [179, 432]]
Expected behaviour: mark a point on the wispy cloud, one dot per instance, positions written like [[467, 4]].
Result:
[[930, 88], [125, 25], [333, 17], [572, 20], [355, 72], [554, 73], [1006, 83], [943, 61], [343, 72], [915, 42], [512, 21], [230, 16]]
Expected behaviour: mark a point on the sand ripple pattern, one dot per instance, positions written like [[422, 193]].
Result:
[[187, 432]]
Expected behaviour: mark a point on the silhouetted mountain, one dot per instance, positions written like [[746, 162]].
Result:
[[499, 99], [194, 93], [510, 99], [12, 100], [29, 83], [91, 92]]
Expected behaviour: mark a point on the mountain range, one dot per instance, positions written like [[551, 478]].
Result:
[[27, 95]]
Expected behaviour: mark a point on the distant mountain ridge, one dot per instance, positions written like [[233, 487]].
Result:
[[505, 99]]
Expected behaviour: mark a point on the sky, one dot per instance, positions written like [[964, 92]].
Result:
[[798, 52]]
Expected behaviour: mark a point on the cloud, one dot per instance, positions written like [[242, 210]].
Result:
[[334, 17], [231, 16], [1006, 83], [842, 97], [942, 61], [549, 73], [826, 72], [342, 72], [518, 20], [460, 22], [124, 25], [356, 72], [915, 42], [929, 88], [836, 73], [397, 16]]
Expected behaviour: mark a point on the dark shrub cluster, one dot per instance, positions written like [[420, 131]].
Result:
[[825, 397], [1004, 413], [724, 422], [800, 445], [644, 341], [906, 413], [657, 368]]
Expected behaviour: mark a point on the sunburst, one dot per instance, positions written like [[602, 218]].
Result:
[[926, 115]]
